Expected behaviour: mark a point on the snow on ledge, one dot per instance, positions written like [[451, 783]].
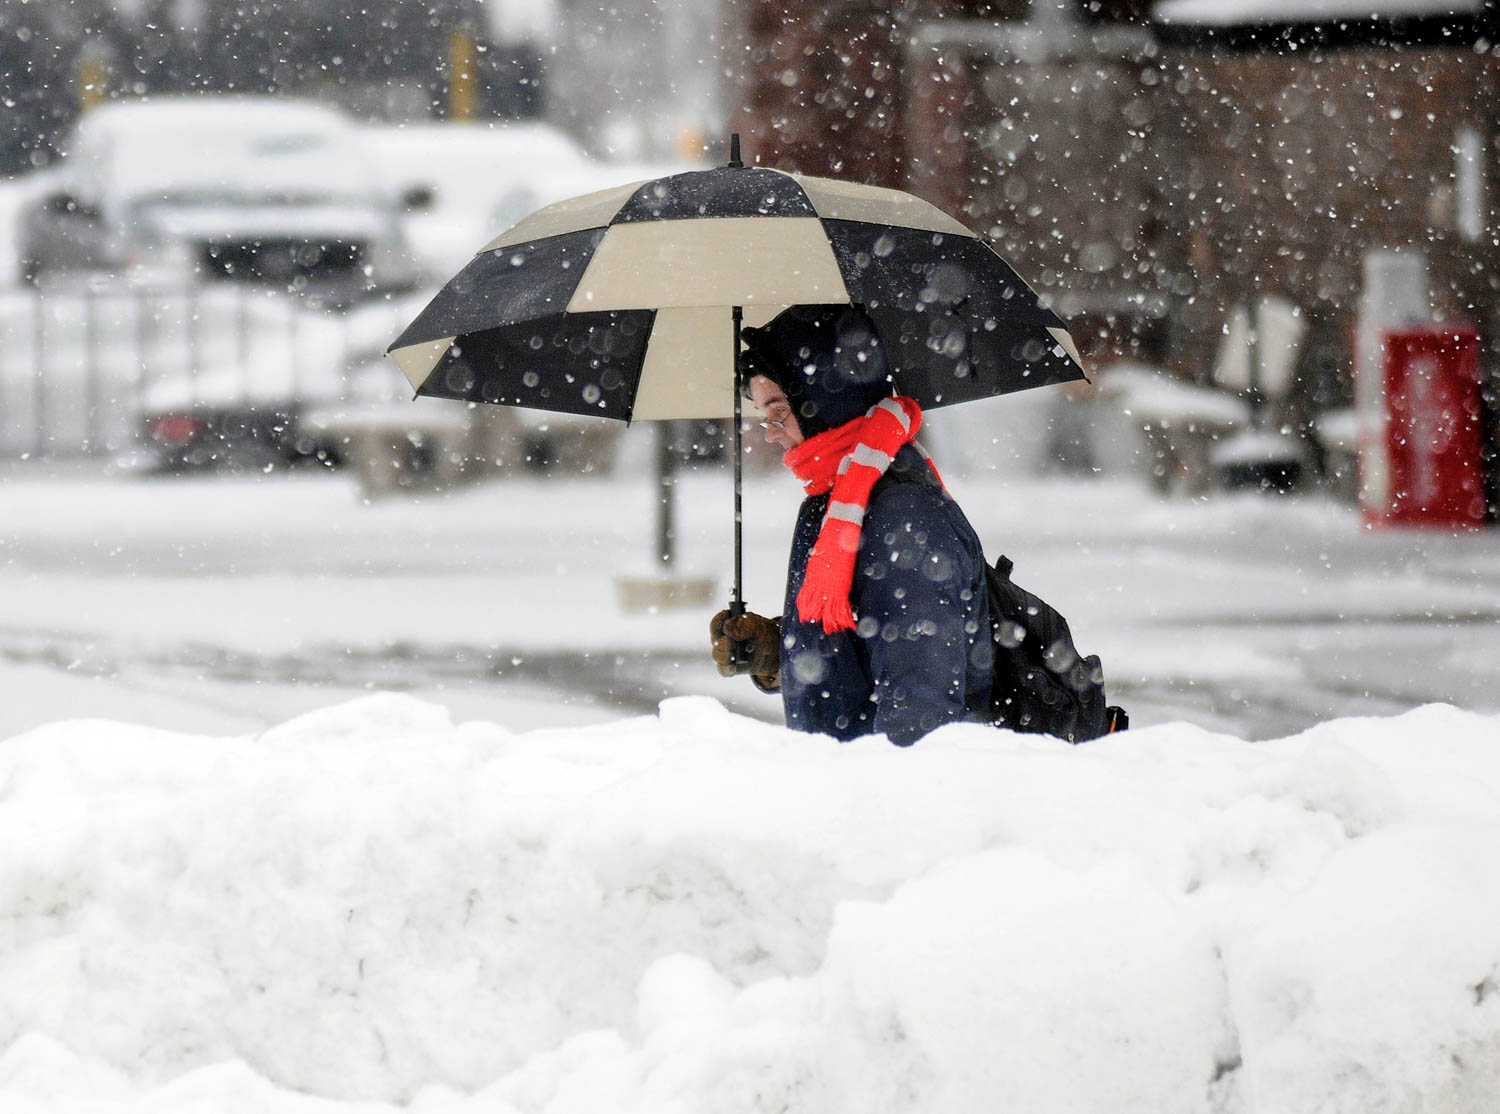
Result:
[[1226, 13], [1155, 396]]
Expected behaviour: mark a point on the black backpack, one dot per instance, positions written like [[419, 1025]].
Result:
[[1042, 683]]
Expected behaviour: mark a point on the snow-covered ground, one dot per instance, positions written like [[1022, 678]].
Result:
[[319, 806]]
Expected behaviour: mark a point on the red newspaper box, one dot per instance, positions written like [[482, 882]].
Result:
[[1421, 431]]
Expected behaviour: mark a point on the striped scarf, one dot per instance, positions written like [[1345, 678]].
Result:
[[845, 463]]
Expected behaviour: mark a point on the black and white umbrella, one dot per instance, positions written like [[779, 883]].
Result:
[[628, 303]]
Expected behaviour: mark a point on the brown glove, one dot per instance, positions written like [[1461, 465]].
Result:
[[747, 643]]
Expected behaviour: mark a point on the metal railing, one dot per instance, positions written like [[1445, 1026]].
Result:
[[84, 366]]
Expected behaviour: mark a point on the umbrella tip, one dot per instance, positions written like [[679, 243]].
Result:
[[734, 151]]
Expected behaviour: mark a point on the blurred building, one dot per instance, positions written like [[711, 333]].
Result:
[[637, 79], [1151, 171]]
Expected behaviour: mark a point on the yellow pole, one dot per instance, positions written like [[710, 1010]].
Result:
[[463, 78], [691, 143], [93, 77]]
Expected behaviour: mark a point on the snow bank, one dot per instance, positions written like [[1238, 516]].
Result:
[[371, 906]]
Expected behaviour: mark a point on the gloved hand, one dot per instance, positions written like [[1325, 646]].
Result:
[[747, 643]]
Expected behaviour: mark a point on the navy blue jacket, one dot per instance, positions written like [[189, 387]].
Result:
[[921, 654]]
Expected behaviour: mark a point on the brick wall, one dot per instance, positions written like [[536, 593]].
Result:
[[821, 87], [911, 93], [1052, 161]]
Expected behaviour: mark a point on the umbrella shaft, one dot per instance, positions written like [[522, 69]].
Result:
[[737, 602]]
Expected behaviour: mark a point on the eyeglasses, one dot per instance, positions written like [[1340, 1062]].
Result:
[[777, 423]]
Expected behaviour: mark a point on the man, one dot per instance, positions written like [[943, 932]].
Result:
[[886, 625]]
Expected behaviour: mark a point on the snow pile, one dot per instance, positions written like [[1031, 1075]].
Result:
[[371, 906]]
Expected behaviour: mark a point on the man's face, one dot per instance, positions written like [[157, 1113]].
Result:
[[781, 424]]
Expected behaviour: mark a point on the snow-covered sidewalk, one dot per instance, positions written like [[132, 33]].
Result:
[[225, 606]]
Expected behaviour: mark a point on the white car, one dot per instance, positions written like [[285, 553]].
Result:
[[462, 170], [257, 189]]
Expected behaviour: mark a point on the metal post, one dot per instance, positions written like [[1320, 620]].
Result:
[[90, 333], [4, 378], [242, 338], [294, 330], [39, 380], [142, 332], [194, 326], [1255, 392], [666, 467]]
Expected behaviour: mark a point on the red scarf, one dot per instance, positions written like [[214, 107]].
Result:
[[845, 463]]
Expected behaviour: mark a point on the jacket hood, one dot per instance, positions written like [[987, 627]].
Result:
[[829, 360]]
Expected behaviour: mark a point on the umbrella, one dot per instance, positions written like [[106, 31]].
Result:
[[629, 303]]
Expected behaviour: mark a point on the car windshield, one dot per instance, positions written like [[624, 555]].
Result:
[[249, 194]]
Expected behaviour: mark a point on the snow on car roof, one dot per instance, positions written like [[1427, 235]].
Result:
[[467, 163], [482, 177], [215, 109], [1231, 12], [219, 144]]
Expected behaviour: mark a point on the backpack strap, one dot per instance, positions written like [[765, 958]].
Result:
[[904, 471]]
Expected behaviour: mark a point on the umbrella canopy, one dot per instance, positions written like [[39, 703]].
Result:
[[623, 303], [629, 303]]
